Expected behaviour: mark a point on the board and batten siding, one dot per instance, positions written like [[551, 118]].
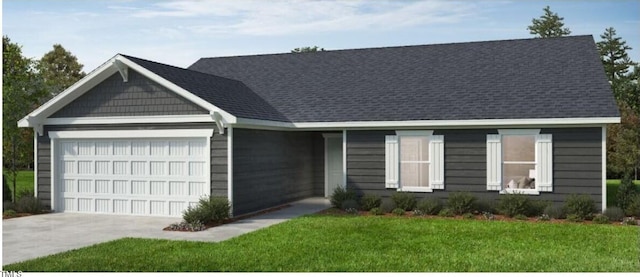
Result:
[[218, 154], [272, 168], [139, 96], [577, 163]]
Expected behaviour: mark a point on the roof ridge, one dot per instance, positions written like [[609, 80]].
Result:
[[180, 68], [394, 47]]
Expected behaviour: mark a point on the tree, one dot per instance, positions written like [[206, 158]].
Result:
[[549, 25], [307, 49], [21, 89], [59, 69], [613, 53], [623, 143]]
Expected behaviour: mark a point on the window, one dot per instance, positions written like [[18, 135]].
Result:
[[519, 161], [414, 161]]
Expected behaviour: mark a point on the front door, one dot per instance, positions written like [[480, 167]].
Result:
[[333, 163]]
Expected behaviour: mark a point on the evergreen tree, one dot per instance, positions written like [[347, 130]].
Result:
[[307, 49], [613, 53], [548, 25]]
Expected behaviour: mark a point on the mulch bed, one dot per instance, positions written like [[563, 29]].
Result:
[[497, 217], [230, 220], [16, 215]]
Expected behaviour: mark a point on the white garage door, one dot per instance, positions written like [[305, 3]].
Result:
[[138, 176]]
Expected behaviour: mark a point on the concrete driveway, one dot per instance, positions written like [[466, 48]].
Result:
[[30, 237]]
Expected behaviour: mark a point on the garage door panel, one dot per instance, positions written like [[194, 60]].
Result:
[[102, 186], [157, 207], [176, 208], [138, 207], [85, 186], [103, 205], [85, 204], [121, 206], [132, 176]]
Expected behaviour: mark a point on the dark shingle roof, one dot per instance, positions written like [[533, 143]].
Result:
[[510, 79], [230, 95]]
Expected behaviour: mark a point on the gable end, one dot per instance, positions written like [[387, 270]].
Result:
[[139, 96]]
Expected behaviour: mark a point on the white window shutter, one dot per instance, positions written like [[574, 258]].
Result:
[[494, 162], [391, 161], [544, 163], [436, 165]]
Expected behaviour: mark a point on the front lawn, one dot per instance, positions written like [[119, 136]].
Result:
[[319, 243]]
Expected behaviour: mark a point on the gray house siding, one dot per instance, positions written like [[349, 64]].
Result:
[[271, 168], [218, 154], [139, 96], [576, 155]]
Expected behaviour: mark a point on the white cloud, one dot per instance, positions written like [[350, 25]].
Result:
[[294, 17]]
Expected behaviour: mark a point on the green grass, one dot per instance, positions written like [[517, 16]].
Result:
[[320, 243], [612, 190], [24, 181]]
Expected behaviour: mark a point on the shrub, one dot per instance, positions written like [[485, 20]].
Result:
[[417, 212], [468, 216], [629, 221], [575, 218], [488, 215], [8, 205], [555, 212], [352, 211], [186, 226], [341, 194], [581, 205], [600, 219], [349, 204], [430, 205], [195, 215], [633, 209], [520, 217], [626, 192], [376, 211], [216, 208], [208, 209], [387, 205], [614, 214], [484, 205], [9, 213], [398, 211], [404, 200], [461, 202], [544, 217], [536, 207], [28, 204], [370, 201], [446, 212], [513, 204]]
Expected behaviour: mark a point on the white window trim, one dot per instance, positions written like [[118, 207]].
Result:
[[413, 133], [519, 132], [160, 133]]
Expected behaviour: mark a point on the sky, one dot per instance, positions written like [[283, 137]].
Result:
[[179, 32]]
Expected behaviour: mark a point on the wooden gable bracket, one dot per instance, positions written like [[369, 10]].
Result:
[[123, 69], [218, 119], [38, 128]]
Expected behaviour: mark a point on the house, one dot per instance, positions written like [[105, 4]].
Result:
[[514, 116]]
